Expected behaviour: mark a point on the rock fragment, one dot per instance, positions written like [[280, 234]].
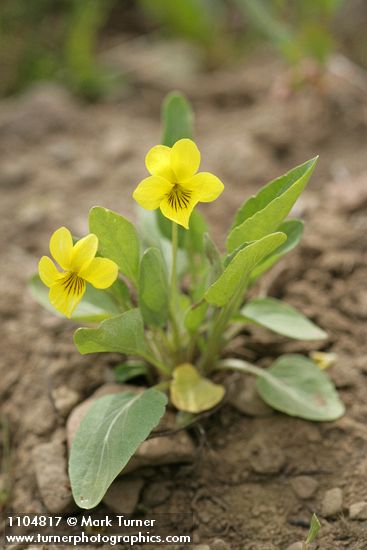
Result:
[[358, 511], [123, 495], [246, 399], [304, 486], [50, 464], [265, 458], [332, 503]]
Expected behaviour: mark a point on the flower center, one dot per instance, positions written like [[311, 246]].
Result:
[[72, 283], [179, 198]]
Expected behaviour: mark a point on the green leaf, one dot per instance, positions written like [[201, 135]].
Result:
[[195, 315], [282, 319], [296, 386], [95, 306], [239, 269], [263, 213], [106, 439], [315, 527], [294, 230], [126, 371], [118, 240], [153, 288], [193, 393], [122, 334], [177, 118], [214, 257]]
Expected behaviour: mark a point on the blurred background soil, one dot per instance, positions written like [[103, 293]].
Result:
[[80, 109]]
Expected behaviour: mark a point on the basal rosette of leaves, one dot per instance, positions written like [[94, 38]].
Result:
[[164, 297]]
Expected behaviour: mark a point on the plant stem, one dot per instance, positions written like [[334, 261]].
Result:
[[149, 357], [174, 291], [222, 319], [174, 263], [243, 366]]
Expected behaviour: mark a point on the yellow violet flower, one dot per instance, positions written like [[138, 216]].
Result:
[[79, 266], [174, 185]]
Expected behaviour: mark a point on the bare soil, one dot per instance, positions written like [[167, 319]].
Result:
[[58, 158]]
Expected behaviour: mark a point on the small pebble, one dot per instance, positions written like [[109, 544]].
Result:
[[50, 466], [65, 399], [304, 486], [332, 504], [123, 495], [156, 493], [358, 510], [265, 458], [246, 399]]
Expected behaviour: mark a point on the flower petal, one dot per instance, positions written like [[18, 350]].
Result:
[[178, 215], [101, 272], [83, 252], [61, 247], [207, 187], [48, 272], [151, 191], [185, 159], [66, 293], [158, 162]]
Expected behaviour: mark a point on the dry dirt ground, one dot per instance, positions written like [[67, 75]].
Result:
[[59, 158]]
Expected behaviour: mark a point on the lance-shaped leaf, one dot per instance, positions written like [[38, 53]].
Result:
[[117, 240], [263, 213], [106, 439], [95, 306], [193, 393], [282, 319], [238, 270], [177, 118], [123, 334], [296, 386], [153, 288], [294, 230]]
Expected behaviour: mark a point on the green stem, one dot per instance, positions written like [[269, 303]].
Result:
[[174, 292], [156, 362], [174, 263], [215, 340], [162, 386], [243, 366]]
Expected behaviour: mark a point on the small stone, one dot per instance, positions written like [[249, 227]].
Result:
[[358, 510], [304, 486], [50, 466], [156, 493], [296, 546], [201, 547], [246, 399], [65, 399], [265, 458], [332, 503], [123, 495], [219, 544]]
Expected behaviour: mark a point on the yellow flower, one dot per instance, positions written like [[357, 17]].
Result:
[[79, 266], [174, 186]]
